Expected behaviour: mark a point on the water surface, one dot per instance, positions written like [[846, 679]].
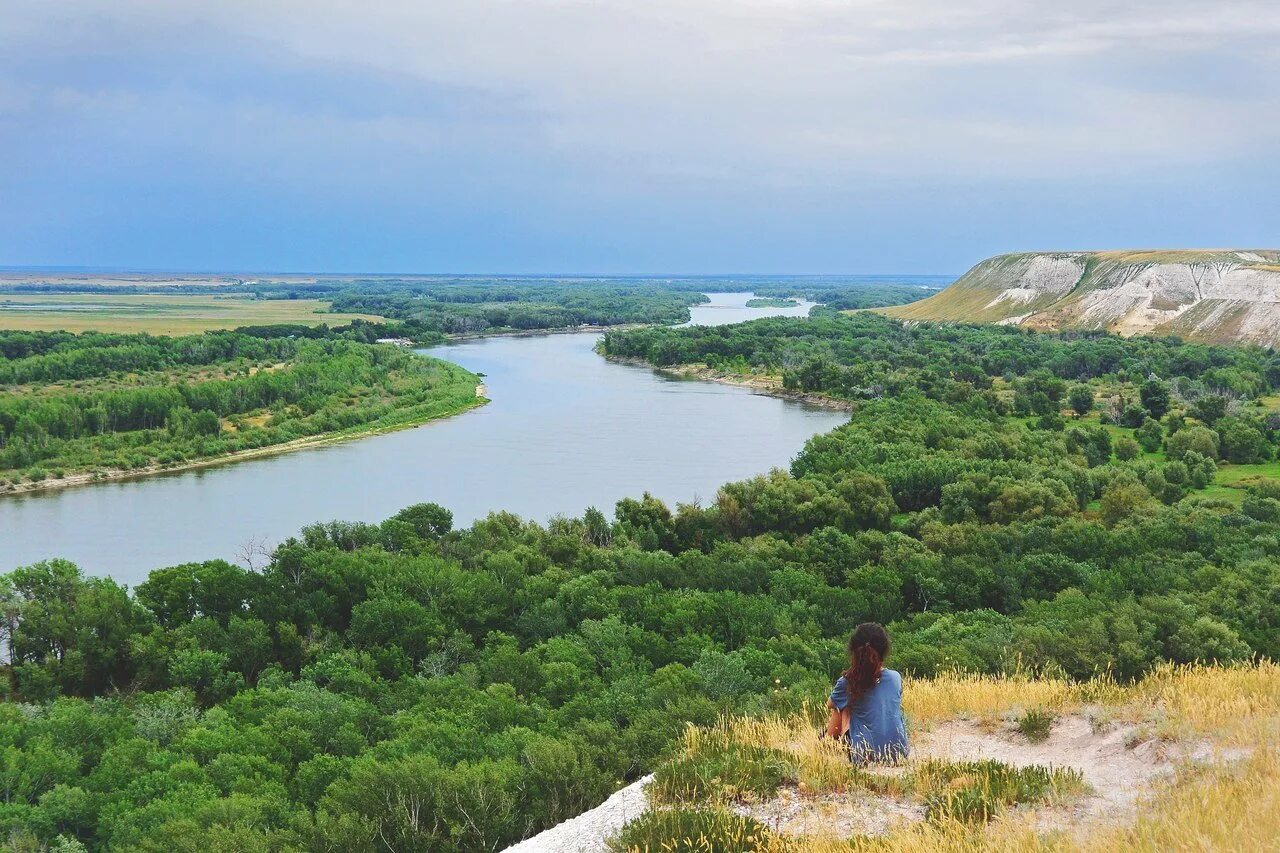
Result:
[[565, 430]]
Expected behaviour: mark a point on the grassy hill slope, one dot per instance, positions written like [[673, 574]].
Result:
[[1219, 295], [1185, 759]]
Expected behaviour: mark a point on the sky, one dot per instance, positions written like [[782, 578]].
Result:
[[617, 136]]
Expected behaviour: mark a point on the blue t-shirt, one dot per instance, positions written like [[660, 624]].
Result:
[[876, 728]]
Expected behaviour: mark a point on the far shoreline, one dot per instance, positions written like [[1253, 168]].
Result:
[[768, 385], [92, 478]]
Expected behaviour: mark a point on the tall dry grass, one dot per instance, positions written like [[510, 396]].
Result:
[[1229, 805]]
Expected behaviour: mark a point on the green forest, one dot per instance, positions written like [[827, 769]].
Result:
[[72, 404], [468, 306], [1077, 505]]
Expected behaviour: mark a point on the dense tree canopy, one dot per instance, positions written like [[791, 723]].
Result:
[[102, 402], [412, 686]]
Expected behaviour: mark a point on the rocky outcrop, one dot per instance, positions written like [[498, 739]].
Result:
[[1226, 296], [590, 831]]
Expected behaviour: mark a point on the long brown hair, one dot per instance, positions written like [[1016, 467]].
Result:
[[868, 647]]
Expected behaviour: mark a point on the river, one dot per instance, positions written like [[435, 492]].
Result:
[[565, 430]]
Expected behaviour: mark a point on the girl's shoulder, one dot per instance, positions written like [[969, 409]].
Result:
[[892, 676]]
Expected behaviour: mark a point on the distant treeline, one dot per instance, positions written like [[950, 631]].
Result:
[[473, 304], [466, 307]]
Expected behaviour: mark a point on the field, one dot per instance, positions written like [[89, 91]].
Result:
[[159, 314]]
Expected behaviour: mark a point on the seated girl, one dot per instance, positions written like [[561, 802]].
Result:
[[866, 703]]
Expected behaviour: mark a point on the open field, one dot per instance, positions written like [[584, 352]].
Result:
[[159, 314]]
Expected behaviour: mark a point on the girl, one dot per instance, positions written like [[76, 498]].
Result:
[[866, 703]]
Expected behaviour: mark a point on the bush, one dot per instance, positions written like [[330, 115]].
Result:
[[1081, 400], [691, 831], [1126, 448], [1149, 435], [1242, 442], [976, 791], [1196, 439], [1133, 415], [1036, 724], [721, 770]]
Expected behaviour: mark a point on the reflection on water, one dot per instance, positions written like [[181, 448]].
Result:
[[566, 430]]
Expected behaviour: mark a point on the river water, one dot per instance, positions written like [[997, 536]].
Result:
[[565, 430]]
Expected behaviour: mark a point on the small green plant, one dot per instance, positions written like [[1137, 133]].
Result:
[[976, 791], [1036, 724], [691, 831], [722, 770], [968, 805]]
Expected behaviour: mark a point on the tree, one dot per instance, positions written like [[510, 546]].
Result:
[[1080, 399], [1155, 397], [429, 520], [1195, 439], [1149, 435], [1123, 498], [1133, 415], [1126, 448], [1242, 442], [1209, 409]]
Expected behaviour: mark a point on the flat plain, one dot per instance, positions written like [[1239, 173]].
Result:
[[159, 314]]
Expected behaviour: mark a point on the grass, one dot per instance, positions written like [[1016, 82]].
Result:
[[973, 791], [1036, 724], [720, 766], [1227, 806], [692, 831], [159, 314], [751, 758]]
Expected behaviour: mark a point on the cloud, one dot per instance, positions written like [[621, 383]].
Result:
[[589, 107]]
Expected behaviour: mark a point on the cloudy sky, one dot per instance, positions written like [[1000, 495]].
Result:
[[804, 136]]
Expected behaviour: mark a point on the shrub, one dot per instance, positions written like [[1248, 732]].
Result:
[[1149, 435], [979, 790], [1126, 448], [724, 770], [1036, 724], [1080, 399], [691, 831], [1133, 415], [1193, 440]]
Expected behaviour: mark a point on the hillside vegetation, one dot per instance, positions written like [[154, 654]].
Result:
[[1184, 759], [1221, 296]]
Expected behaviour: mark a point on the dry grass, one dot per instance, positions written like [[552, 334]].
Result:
[[1222, 808], [1227, 805], [988, 697], [1230, 705], [158, 314]]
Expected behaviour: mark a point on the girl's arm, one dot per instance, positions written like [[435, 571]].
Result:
[[835, 721]]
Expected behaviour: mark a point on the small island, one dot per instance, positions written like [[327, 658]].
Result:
[[772, 302]]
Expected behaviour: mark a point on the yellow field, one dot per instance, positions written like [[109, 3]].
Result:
[[159, 314]]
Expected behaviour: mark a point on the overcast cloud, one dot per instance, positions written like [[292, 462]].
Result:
[[658, 136]]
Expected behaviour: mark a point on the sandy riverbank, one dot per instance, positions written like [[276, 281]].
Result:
[[761, 383]]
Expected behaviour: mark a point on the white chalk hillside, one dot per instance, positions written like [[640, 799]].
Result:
[[1213, 295]]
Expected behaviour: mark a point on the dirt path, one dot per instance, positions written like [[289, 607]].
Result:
[[1120, 764], [1119, 774]]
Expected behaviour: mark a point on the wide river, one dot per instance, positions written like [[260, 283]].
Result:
[[565, 430]]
